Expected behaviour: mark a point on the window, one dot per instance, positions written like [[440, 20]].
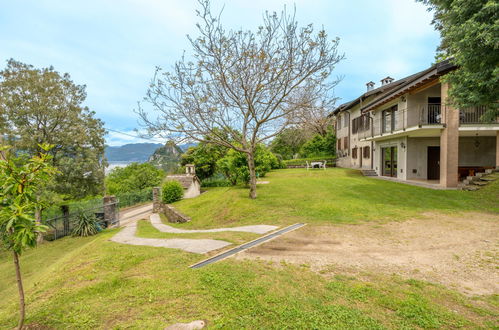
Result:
[[345, 120], [345, 143], [338, 144], [338, 127], [360, 124], [366, 151], [354, 153], [389, 118]]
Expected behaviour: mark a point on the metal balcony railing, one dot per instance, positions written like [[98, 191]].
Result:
[[427, 115], [430, 114], [475, 115]]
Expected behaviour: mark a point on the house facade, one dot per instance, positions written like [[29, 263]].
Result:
[[406, 129]]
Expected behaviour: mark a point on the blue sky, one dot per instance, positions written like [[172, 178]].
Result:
[[113, 46]]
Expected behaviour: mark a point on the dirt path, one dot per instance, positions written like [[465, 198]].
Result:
[[460, 251]]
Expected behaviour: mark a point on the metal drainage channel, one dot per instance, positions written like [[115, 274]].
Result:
[[246, 246]]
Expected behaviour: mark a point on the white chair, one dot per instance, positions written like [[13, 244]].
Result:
[[307, 164], [324, 164]]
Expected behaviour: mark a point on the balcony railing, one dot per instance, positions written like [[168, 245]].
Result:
[[427, 115], [475, 115], [430, 114]]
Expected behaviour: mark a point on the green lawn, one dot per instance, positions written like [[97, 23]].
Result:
[[332, 196], [95, 283]]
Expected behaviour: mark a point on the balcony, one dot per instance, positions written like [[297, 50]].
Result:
[[475, 116], [427, 117]]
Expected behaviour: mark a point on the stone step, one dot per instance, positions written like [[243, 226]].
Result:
[[369, 173], [471, 188], [487, 178], [488, 171], [480, 183]]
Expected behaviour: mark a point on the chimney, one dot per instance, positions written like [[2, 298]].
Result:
[[190, 169], [370, 86], [386, 81]]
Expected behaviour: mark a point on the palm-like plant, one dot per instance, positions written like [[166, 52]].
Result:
[[85, 225]]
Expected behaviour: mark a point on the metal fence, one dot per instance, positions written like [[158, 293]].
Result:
[[64, 224]]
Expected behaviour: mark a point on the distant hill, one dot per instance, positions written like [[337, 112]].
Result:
[[134, 152], [166, 157]]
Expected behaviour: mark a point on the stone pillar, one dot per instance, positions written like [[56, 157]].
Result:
[[497, 150], [156, 200], [111, 211], [449, 142]]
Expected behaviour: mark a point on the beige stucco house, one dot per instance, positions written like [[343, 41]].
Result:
[[406, 129]]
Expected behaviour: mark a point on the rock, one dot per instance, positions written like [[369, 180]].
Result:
[[198, 324]]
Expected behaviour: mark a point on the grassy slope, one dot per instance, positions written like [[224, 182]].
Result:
[[331, 196], [92, 282]]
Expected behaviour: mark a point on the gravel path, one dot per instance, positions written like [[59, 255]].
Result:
[[257, 229], [127, 236]]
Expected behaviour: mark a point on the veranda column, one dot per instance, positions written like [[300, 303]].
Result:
[[449, 142]]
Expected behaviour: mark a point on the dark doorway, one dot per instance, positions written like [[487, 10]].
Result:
[[433, 163], [389, 160]]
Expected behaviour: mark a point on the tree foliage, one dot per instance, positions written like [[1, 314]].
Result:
[[234, 165], [289, 142], [42, 106], [132, 178], [240, 87], [204, 156], [320, 145], [470, 35], [19, 179]]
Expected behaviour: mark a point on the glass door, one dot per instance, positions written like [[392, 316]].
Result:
[[389, 159]]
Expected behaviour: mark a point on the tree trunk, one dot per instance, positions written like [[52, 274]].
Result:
[[252, 172], [21, 291], [38, 220]]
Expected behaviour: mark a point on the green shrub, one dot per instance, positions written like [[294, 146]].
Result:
[[172, 192], [215, 182], [85, 225]]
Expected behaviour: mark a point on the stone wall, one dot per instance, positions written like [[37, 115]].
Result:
[[174, 215]]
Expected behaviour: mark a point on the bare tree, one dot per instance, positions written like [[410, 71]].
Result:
[[238, 87], [313, 111]]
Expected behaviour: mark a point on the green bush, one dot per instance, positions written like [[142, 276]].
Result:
[[215, 182], [85, 225], [303, 161], [172, 192]]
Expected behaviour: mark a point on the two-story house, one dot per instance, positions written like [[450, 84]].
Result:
[[407, 129]]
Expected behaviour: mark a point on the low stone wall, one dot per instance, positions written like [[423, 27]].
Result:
[[174, 215]]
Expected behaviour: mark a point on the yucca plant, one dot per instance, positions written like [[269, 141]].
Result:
[[85, 225]]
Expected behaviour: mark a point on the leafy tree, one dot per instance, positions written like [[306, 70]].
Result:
[[243, 84], [234, 165], [204, 156], [134, 177], [43, 106], [19, 178], [320, 146], [288, 142], [470, 36]]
